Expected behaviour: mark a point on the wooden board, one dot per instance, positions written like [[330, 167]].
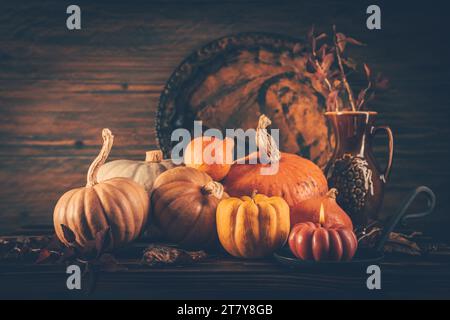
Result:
[[223, 277], [59, 88]]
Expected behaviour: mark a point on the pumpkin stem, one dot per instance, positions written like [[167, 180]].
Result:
[[108, 139], [265, 142], [153, 156], [332, 193], [254, 193], [213, 188]]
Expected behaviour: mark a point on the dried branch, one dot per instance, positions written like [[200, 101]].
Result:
[[341, 68]]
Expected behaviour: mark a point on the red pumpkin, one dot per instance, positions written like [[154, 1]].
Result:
[[295, 180], [312, 241], [309, 211]]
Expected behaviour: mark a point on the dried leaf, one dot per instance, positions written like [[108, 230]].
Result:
[[44, 255], [381, 82], [297, 48], [103, 240], [321, 36], [69, 236], [160, 254], [68, 254], [323, 50], [341, 41], [367, 71], [332, 100], [327, 62], [360, 99], [350, 63], [354, 41]]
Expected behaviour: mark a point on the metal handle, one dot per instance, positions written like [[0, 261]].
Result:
[[387, 170], [402, 216]]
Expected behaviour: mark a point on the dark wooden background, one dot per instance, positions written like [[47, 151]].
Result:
[[59, 88]]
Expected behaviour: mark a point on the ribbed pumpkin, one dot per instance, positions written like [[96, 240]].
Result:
[[295, 180], [143, 172], [253, 227], [184, 202], [210, 155], [311, 241], [309, 211], [118, 203]]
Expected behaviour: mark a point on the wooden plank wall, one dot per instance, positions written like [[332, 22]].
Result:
[[58, 88]]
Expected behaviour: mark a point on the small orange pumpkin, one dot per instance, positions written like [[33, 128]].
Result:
[[210, 155], [253, 227], [309, 210], [184, 203], [119, 203]]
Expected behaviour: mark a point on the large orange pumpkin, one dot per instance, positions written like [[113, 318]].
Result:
[[296, 179]]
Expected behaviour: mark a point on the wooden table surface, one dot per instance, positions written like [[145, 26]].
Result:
[[220, 276], [230, 278], [59, 88]]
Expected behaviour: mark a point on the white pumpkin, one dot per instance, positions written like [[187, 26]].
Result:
[[142, 172]]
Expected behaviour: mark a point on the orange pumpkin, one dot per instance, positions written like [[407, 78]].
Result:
[[296, 179], [210, 155], [184, 203], [253, 227], [309, 210]]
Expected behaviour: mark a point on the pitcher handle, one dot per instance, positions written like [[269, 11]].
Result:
[[385, 174], [401, 215]]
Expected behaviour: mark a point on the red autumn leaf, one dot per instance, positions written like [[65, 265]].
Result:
[[44, 254]]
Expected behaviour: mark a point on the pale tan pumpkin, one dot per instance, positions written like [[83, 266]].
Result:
[[184, 202], [118, 203], [253, 227], [143, 172]]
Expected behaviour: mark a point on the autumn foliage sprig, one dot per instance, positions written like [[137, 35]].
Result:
[[331, 68]]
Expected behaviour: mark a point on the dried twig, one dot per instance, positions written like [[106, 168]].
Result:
[[341, 68]]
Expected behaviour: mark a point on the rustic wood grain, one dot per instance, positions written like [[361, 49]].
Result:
[[230, 278], [59, 88]]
